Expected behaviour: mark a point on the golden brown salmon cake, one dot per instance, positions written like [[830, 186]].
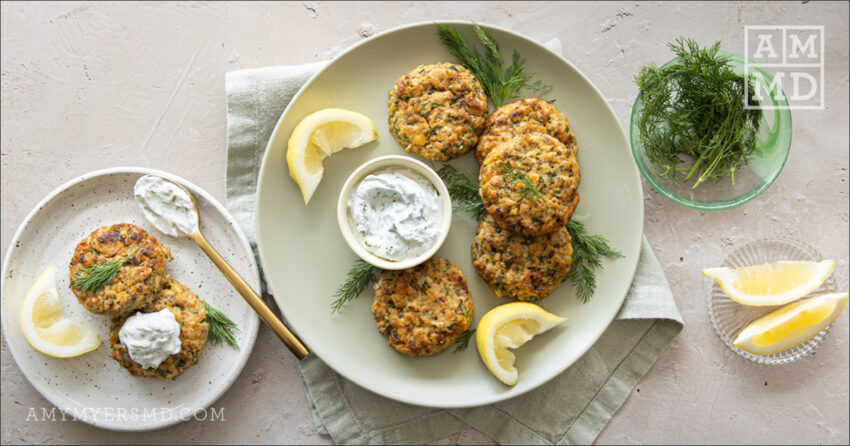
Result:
[[423, 310], [191, 315], [138, 279], [437, 111], [542, 160], [518, 266], [529, 115]]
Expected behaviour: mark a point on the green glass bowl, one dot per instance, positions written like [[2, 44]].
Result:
[[774, 143]]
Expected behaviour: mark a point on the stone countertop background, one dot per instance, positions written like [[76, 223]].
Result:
[[94, 85]]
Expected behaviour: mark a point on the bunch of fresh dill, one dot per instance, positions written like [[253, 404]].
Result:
[[693, 122], [500, 83]]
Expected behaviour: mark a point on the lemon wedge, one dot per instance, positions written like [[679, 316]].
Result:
[[791, 325], [510, 326], [46, 328], [771, 283], [320, 135]]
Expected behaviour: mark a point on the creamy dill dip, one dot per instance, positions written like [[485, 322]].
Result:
[[395, 214], [166, 205], [151, 337]]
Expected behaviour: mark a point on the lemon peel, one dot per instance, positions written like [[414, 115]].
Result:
[[791, 325], [320, 135], [44, 326], [506, 327], [775, 283]]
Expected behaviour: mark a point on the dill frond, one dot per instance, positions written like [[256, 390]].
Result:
[[519, 177], [96, 277], [500, 83], [587, 253], [463, 189], [463, 341], [221, 327], [358, 278]]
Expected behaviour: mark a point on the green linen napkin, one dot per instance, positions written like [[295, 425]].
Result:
[[572, 408]]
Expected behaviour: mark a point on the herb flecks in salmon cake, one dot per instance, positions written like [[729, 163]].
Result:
[[423, 310], [518, 266], [190, 313], [136, 282], [529, 184], [437, 111]]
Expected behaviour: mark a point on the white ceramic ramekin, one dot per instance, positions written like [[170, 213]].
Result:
[[382, 163]]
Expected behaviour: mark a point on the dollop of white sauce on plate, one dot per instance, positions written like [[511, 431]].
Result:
[[395, 214], [151, 337], [165, 205]]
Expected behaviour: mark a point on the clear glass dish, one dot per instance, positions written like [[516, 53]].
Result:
[[751, 180], [729, 317]]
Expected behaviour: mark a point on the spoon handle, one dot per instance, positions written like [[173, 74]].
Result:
[[265, 313]]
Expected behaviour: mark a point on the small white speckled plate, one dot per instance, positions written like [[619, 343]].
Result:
[[93, 388]]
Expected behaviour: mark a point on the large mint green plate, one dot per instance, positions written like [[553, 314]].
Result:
[[305, 258]]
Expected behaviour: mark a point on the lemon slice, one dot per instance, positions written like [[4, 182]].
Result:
[[771, 283], [46, 328], [510, 326], [320, 135], [791, 325]]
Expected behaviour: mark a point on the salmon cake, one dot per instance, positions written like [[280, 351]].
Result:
[[437, 111], [190, 313], [423, 310], [138, 279], [529, 115], [518, 266], [529, 184]]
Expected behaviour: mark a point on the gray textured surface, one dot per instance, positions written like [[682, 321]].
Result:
[[92, 85]]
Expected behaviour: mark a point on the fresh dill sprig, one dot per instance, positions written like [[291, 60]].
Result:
[[221, 327], [500, 83], [519, 177], [463, 189], [358, 278], [463, 341], [692, 121], [96, 277], [587, 252], [475, 207]]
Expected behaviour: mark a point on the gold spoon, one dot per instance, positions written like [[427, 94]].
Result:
[[265, 313]]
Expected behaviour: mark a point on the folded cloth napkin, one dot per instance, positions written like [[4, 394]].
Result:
[[572, 408]]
